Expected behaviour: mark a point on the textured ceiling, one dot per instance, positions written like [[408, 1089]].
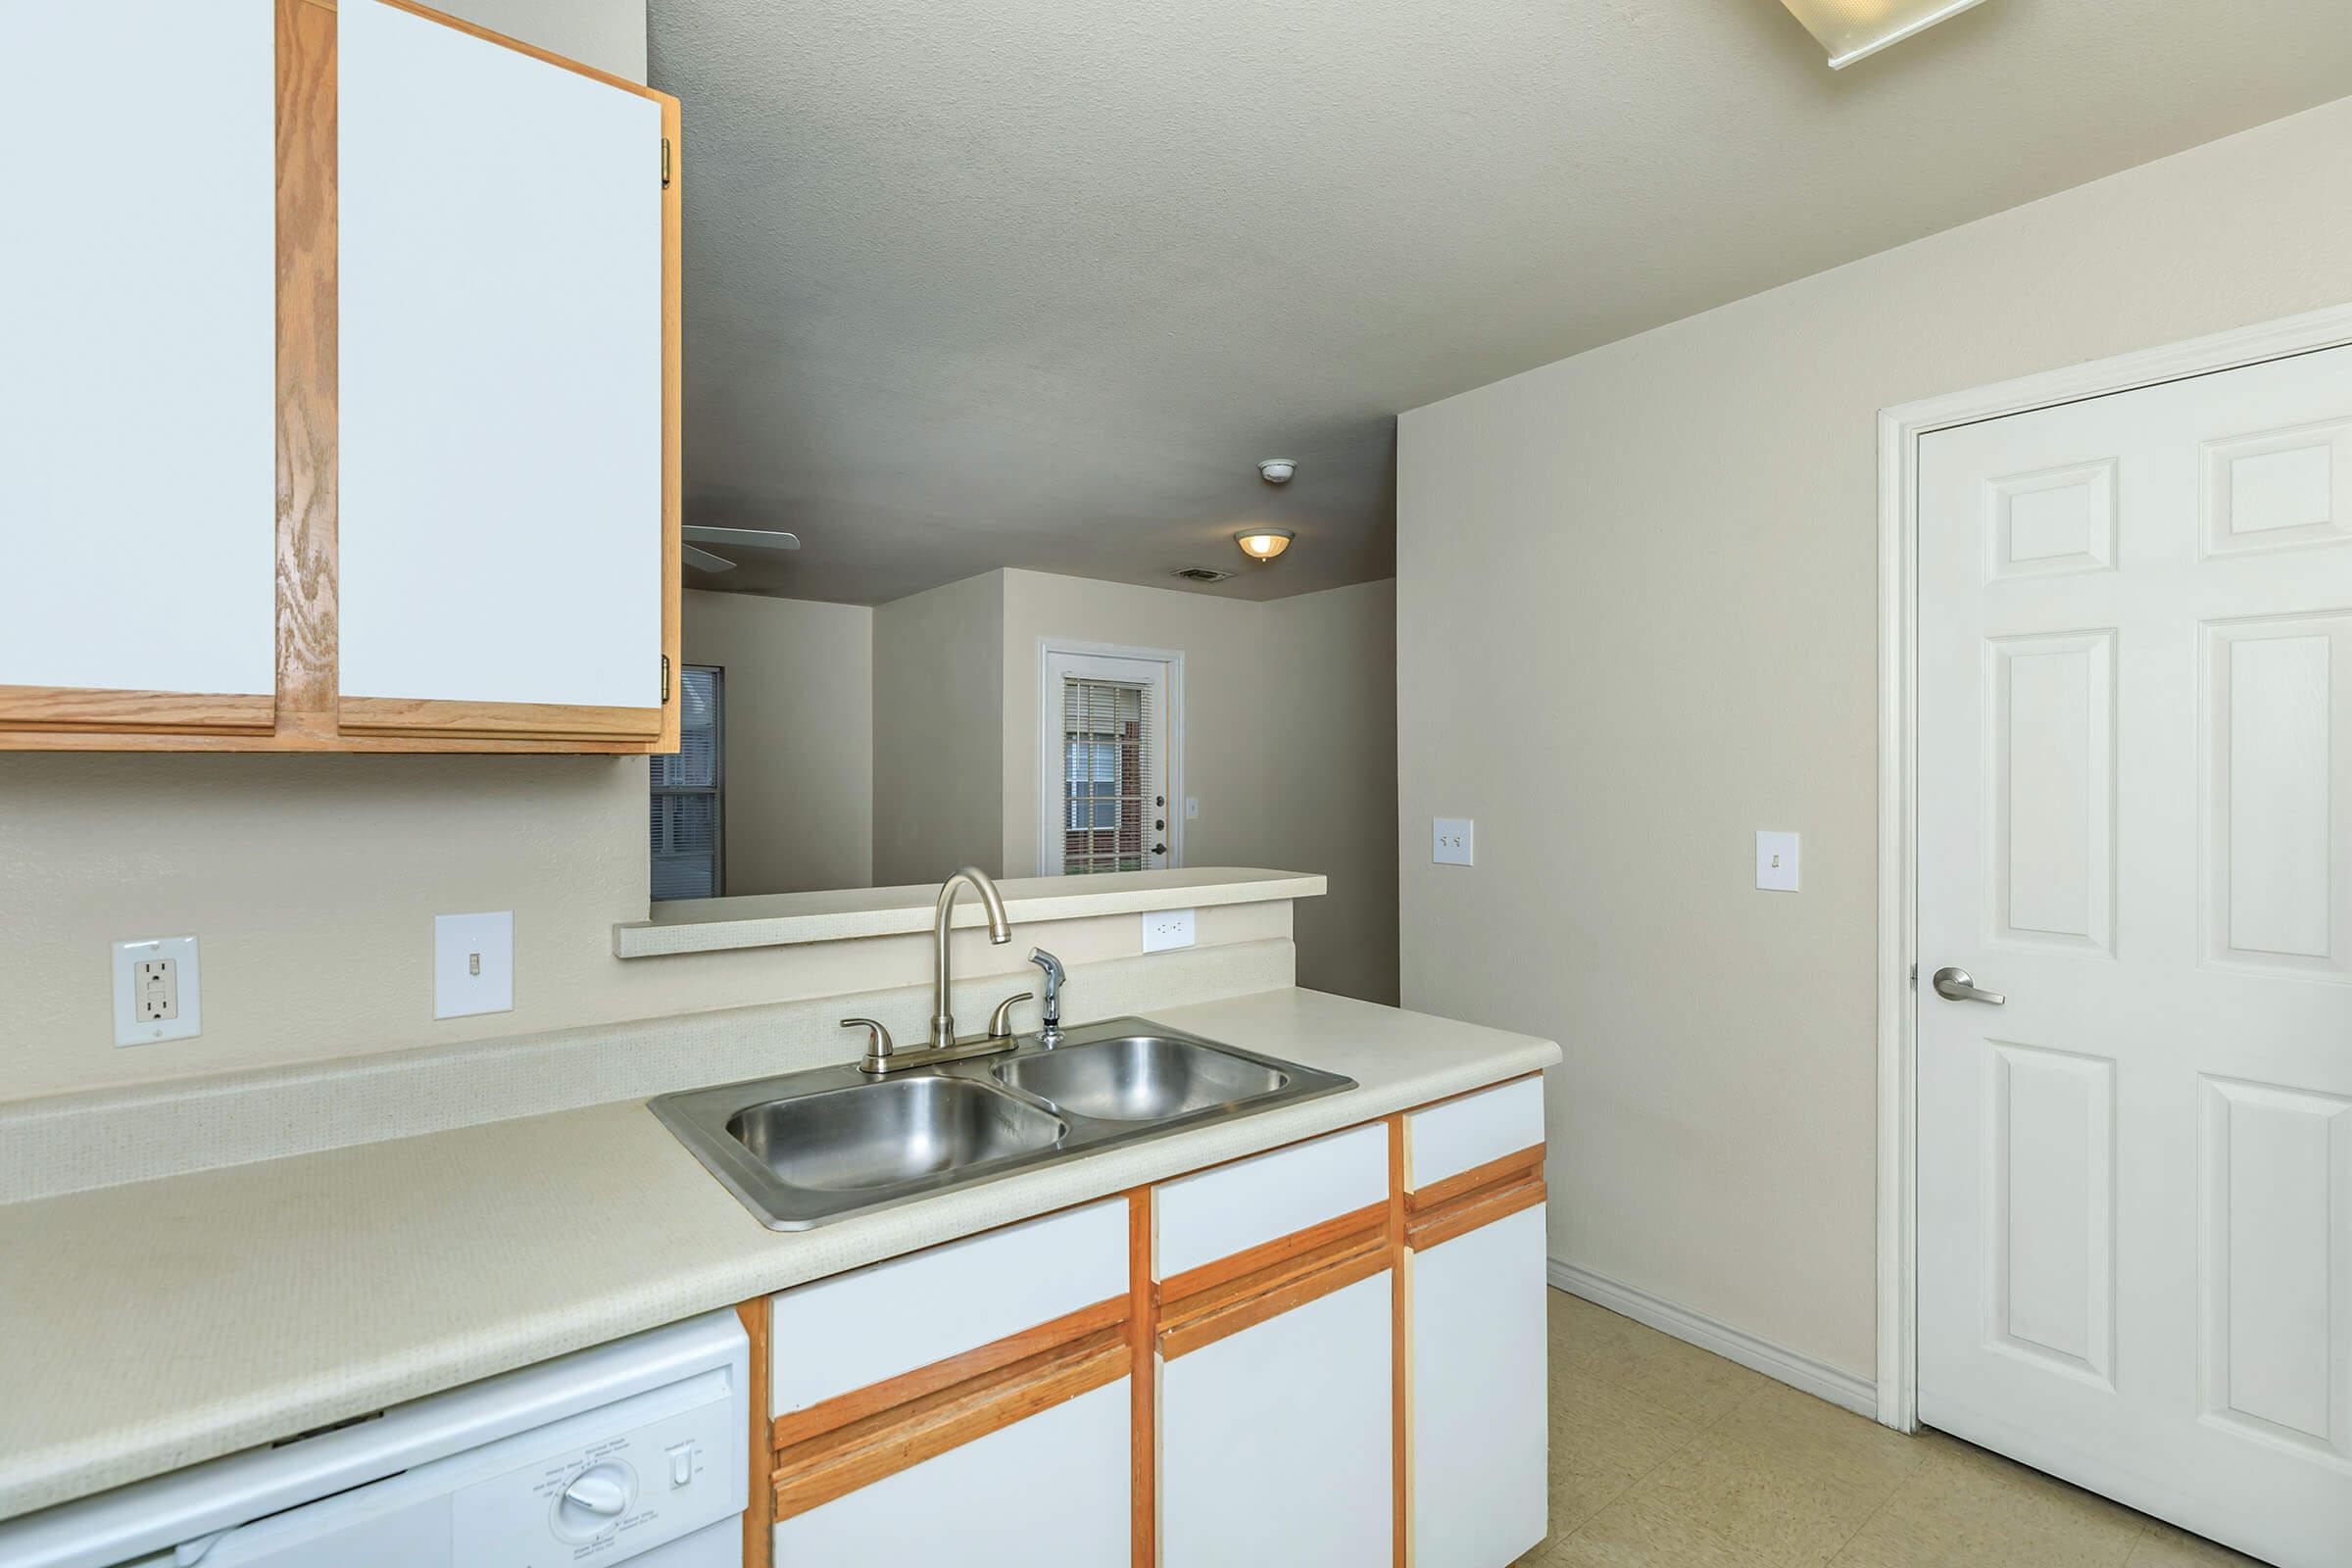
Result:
[[975, 283]]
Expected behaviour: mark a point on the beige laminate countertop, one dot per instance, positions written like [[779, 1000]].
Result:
[[149, 1326]]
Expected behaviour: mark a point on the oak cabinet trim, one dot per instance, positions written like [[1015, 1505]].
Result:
[[1478, 1196], [432, 718], [861, 1436], [1205, 1304], [36, 710], [1143, 1350], [758, 1514]]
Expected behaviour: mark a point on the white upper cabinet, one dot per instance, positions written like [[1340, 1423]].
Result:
[[339, 387], [501, 387], [138, 369]]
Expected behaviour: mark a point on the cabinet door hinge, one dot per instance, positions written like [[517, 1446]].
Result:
[[665, 677], [665, 163]]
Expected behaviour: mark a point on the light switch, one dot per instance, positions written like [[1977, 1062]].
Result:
[[156, 994], [473, 964], [1775, 862], [1452, 840]]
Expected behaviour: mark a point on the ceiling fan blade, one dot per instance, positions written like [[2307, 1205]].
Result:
[[745, 538], [707, 561]]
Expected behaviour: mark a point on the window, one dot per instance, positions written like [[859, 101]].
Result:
[[1106, 757], [689, 805], [1110, 759]]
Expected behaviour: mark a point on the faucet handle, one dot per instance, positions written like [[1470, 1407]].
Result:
[[1000, 1022], [877, 1036]]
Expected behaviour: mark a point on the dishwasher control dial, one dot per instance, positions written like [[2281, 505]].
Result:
[[594, 1500]]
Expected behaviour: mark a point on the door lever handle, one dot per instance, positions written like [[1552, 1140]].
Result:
[[1956, 985]]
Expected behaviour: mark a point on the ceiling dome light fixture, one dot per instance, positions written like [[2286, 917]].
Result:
[[1851, 29], [1264, 544], [1278, 470]]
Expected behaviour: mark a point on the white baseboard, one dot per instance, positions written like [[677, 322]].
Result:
[[1817, 1378]]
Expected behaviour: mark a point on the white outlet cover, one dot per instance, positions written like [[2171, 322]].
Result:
[[128, 955], [1777, 862], [473, 964], [1452, 841], [1164, 929]]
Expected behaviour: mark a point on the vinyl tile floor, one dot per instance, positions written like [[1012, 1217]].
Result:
[[1664, 1455]]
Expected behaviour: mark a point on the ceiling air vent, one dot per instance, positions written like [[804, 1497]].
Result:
[[1201, 574]]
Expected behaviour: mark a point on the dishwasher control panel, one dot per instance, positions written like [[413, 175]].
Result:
[[607, 1499]]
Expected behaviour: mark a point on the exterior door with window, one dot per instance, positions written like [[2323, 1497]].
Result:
[[1105, 777], [2136, 841]]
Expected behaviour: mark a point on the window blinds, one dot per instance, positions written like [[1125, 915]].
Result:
[[1110, 776], [688, 810]]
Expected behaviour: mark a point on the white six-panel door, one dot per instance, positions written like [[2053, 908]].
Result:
[[2136, 823]]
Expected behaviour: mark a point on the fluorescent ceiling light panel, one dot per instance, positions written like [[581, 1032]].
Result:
[[1849, 29]]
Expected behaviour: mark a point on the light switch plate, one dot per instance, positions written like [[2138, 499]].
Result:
[[1775, 862], [177, 983], [473, 964], [1452, 840], [1167, 929]]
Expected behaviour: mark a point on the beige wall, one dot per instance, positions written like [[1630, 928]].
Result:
[[1637, 622], [800, 737], [1336, 652], [939, 689], [1290, 733]]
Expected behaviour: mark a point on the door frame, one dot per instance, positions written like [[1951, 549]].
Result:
[[1048, 736], [1900, 430]]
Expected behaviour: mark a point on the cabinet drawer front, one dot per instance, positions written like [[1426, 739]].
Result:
[[837, 1335], [1460, 1135], [1234, 1207]]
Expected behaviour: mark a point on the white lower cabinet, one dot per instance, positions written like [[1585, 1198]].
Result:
[[975, 1404], [1276, 1444], [1052, 1491], [1479, 1424]]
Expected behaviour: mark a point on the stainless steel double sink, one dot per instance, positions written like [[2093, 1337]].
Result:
[[808, 1148]]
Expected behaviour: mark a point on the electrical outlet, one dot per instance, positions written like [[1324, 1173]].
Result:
[[157, 990], [1167, 929], [473, 964], [1452, 840]]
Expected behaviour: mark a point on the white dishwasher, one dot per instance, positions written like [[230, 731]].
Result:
[[633, 1451]]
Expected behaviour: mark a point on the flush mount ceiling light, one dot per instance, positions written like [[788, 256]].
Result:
[[1851, 30], [1264, 544], [1278, 470]]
